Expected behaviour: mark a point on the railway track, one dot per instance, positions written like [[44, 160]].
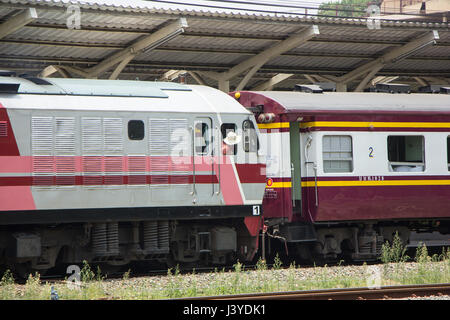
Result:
[[386, 292]]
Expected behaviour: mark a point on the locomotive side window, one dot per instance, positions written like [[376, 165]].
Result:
[[136, 130], [337, 154], [406, 153], [251, 143], [202, 138], [229, 132]]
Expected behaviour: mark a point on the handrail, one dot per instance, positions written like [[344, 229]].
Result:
[[219, 154], [193, 160]]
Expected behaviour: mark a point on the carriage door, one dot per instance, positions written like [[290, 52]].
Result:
[[296, 179], [203, 151]]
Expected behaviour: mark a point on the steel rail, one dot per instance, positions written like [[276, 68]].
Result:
[[385, 292]]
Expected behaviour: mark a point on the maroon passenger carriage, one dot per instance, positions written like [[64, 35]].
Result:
[[346, 171]]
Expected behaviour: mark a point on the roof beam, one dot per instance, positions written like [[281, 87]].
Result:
[[18, 21], [273, 82], [260, 59], [393, 55], [383, 79], [284, 46], [197, 77], [147, 43], [310, 78], [115, 74], [48, 71], [362, 85], [249, 75], [172, 75]]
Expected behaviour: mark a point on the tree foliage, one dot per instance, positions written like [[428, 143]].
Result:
[[347, 8]]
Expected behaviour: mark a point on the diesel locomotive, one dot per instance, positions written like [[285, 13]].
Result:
[[111, 172]]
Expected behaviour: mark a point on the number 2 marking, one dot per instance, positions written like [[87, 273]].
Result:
[[371, 152]]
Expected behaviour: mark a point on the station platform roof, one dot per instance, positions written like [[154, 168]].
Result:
[[229, 48]]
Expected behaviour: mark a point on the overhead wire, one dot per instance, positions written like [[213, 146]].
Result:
[[337, 7], [218, 5]]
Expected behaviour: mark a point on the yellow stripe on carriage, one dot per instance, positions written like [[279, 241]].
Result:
[[282, 184], [274, 125], [376, 183], [360, 124]]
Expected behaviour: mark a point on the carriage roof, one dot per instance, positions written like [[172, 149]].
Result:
[[352, 102]]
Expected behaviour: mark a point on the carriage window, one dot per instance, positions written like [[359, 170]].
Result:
[[406, 153], [337, 154], [136, 130], [251, 143], [229, 134], [202, 139]]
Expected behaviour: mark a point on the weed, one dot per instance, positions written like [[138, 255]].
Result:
[[395, 252], [126, 275], [422, 254], [277, 263], [261, 265], [7, 279], [86, 274]]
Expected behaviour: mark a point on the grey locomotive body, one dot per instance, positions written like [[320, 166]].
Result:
[[117, 171]]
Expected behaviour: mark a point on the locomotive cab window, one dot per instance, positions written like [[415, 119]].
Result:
[[229, 139], [251, 143], [406, 153], [136, 130], [337, 154], [202, 138]]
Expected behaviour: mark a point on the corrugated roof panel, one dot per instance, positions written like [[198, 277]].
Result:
[[340, 48], [314, 62], [101, 19], [218, 43], [189, 58], [417, 65], [23, 50], [229, 38], [76, 36]]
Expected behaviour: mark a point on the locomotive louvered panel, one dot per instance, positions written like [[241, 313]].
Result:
[[43, 171], [160, 170], [179, 151], [113, 135], [3, 129], [159, 137], [92, 137], [42, 135], [64, 150], [65, 136], [42, 151], [159, 151], [65, 170], [92, 170], [137, 170], [113, 170]]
